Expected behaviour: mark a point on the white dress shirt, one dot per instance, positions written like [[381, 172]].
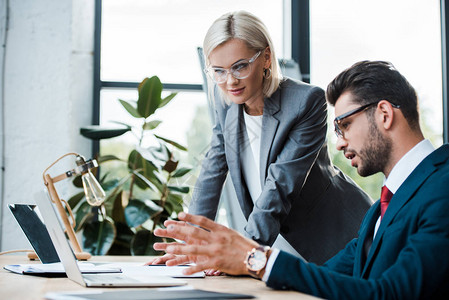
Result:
[[404, 168], [398, 175]]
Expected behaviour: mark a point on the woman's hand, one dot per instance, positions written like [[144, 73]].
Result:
[[213, 272]]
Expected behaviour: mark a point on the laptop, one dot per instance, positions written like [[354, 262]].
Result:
[[35, 231], [71, 267]]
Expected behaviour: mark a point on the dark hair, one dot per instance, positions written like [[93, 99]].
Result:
[[370, 81]]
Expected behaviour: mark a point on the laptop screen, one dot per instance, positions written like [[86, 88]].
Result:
[[35, 231]]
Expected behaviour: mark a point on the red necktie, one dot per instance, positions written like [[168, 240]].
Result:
[[385, 197]]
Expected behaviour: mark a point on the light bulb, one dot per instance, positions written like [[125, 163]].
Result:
[[95, 194]]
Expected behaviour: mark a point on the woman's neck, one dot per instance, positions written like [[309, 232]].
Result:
[[255, 108]]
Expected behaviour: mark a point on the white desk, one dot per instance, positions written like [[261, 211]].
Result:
[[16, 286]]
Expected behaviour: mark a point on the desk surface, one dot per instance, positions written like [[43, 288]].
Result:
[[16, 286]]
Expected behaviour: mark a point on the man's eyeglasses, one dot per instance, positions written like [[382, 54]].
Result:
[[338, 120], [239, 70]]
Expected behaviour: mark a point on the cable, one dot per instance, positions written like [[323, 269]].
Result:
[[15, 251]]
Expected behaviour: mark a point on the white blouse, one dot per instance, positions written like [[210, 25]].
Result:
[[250, 161]]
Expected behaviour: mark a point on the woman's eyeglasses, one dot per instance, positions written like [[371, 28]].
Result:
[[239, 70]]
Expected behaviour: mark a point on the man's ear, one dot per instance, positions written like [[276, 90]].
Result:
[[385, 114]]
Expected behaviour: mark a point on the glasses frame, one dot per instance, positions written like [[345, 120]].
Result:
[[209, 70], [337, 121]]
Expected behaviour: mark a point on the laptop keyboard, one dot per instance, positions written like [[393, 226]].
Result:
[[108, 278]]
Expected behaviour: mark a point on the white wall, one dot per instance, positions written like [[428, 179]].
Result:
[[48, 83]]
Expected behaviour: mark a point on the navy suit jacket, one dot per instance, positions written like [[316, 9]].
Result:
[[409, 257]]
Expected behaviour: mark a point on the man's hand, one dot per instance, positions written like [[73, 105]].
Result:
[[169, 260], [210, 246]]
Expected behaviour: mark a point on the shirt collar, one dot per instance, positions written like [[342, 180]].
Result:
[[407, 164]]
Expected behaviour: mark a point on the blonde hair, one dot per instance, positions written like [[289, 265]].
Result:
[[250, 29]]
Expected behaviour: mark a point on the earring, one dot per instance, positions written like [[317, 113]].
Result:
[[267, 73]]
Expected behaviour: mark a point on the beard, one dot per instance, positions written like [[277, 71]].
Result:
[[376, 154]]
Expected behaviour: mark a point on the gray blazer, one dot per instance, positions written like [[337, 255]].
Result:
[[315, 207]]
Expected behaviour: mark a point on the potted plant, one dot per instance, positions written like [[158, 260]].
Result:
[[142, 199]]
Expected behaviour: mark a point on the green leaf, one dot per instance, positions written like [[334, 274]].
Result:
[[150, 90], [96, 132], [75, 199], [179, 146], [77, 181], [105, 158], [180, 189], [121, 123], [151, 182], [174, 203], [82, 212], [181, 172], [110, 184], [151, 125], [139, 211], [122, 242], [118, 212], [98, 237], [137, 161], [142, 243], [156, 155], [139, 165], [167, 99], [131, 108]]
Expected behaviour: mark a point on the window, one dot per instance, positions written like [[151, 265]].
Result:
[[406, 33], [142, 38]]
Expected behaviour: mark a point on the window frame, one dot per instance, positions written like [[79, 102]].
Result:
[[300, 51]]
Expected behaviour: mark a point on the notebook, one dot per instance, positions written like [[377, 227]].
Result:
[[35, 231], [69, 262]]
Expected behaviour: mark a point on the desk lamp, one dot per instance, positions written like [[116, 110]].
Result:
[[95, 196]]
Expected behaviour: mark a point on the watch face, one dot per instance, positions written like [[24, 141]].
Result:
[[257, 260]]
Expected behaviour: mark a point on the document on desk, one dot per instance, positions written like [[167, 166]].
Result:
[[153, 270], [57, 269], [186, 292]]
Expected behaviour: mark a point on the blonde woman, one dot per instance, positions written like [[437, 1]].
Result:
[[270, 135]]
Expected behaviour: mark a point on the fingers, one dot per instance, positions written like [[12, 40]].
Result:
[[161, 260], [151, 261], [195, 249], [162, 246], [173, 222], [200, 221], [203, 266], [170, 234], [195, 269], [189, 234], [181, 230], [178, 260], [213, 272]]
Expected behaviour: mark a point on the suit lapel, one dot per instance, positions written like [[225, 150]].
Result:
[[269, 127], [365, 239], [234, 137], [403, 195]]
